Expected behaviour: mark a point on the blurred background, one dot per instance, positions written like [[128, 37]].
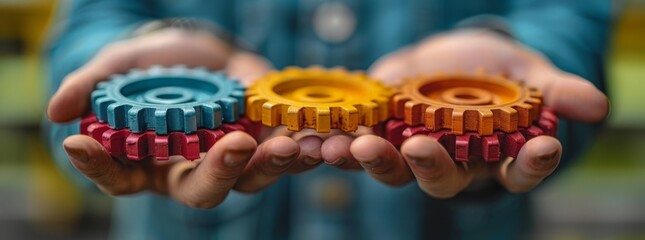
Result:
[[602, 197]]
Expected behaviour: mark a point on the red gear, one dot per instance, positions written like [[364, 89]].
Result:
[[137, 146], [461, 147]]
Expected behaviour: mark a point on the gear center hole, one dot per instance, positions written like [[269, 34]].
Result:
[[467, 96], [318, 95], [169, 96]]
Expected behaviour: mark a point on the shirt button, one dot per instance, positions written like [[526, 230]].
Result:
[[334, 22]]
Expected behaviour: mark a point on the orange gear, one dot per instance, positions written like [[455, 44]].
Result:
[[467, 102], [318, 98]]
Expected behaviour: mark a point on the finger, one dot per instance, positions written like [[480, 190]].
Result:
[[268, 164], [577, 99], [569, 95], [381, 160], [206, 185], [310, 155], [247, 67], [166, 48], [537, 159], [392, 67], [112, 177], [335, 152], [434, 169], [72, 98]]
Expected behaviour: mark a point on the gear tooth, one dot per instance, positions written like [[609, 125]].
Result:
[[190, 119], [103, 85], [271, 114], [155, 70], [237, 84], [369, 113], [414, 112], [102, 104], [117, 115], [294, 118], [513, 142], [349, 118], [290, 72], [383, 109], [135, 73], [179, 69], [241, 97], [230, 109], [524, 114], [161, 122], [462, 147], [506, 119], [534, 92], [457, 121], [485, 122], [490, 148], [211, 116], [186, 145], [202, 72], [323, 119], [114, 141], [434, 118], [136, 120], [162, 145], [140, 145], [536, 108], [254, 107], [96, 130], [96, 94], [398, 105], [207, 138]]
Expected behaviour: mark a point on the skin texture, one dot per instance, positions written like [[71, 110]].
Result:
[[238, 162]]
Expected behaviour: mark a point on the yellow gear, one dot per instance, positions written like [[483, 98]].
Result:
[[322, 99], [467, 102]]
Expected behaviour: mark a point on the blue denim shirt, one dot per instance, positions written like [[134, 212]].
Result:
[[327, 203]]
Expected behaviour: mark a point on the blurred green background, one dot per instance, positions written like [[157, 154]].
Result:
[[602, 197]]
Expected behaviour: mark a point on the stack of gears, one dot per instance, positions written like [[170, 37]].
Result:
[[471, 115], [160, 112]]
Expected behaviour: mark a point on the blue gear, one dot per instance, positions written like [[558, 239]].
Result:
[[168, 99]]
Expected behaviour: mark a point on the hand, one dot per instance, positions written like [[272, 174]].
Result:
[[428, 162], [234, 162]]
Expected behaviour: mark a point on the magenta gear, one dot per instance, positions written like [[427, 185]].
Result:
[[491, 148], [137, 146]]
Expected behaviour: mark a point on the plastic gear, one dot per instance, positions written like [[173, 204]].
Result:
[[464, 102], [137, 146], [168, 99], [318, 98], [491, 148]]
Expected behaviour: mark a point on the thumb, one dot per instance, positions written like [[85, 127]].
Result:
[[247, 67], [393, 67], [90, 158], [569, 95]]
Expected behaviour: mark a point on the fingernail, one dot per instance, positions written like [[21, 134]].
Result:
[[235, 159], [338, 162], [281, 161], [312, 161], [77, 154], [372, 163], [421, 162], [547, 157]]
